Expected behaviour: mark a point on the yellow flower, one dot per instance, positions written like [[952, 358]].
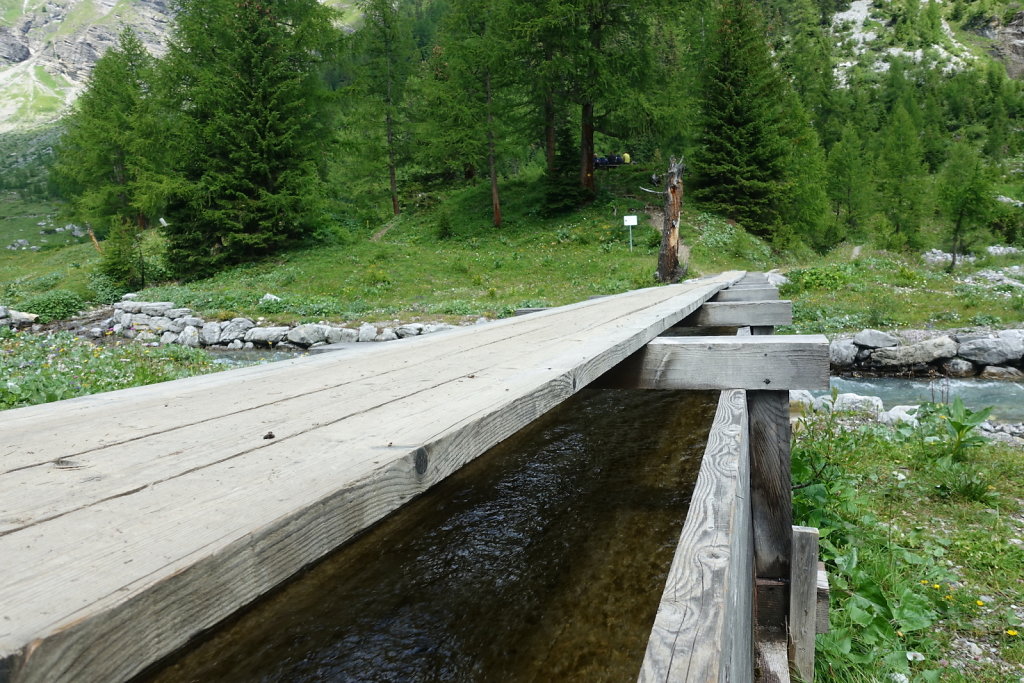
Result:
[[948, 597], [924, 582], [936, 586], [979, 603], [1011, 632]]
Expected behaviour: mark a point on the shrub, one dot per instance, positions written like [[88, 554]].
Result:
[[54, 305]]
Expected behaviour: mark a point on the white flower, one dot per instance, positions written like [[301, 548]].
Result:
[[899, 678], [915, 657]]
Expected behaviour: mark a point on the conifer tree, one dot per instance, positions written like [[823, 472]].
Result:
[[849, 183], [965, 195], [252, 124], [900, 177]]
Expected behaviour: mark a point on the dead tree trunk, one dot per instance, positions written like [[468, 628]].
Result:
[[669, 267]]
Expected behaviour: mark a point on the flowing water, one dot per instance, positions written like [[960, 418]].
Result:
[[1005, 398], [543, 560]]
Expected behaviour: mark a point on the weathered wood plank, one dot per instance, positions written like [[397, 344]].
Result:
[[772, 661], [179, 511], [750, 362], [821, 620], [747, 294], [770, 482], [741, 313], [803, 612], [703, 628]]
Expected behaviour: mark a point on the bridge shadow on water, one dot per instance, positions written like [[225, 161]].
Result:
[[543, 560]]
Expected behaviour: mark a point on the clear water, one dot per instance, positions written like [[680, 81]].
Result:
[[1005, 398], [543, 560]]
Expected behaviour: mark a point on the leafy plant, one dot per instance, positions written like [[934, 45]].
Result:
[[54, 305]]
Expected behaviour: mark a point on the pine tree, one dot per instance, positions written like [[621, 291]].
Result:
[[252, 124], [900, 177], [965, 195], [849, 184]]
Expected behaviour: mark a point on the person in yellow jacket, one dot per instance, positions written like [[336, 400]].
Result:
[[625, 158]]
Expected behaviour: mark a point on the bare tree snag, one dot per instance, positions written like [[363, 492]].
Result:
[[669, 267]]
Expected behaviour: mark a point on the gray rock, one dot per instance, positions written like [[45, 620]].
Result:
[[858, 403], [367, 332], [5, 323], [163, 324], [236, 345], [409, 330], [387, 334], [140, 321], [431, 328], [145, 337], [1015, 338], [168, 338], [341, 335], [3, 311], [1002, 373], [96, 332], [308, 334], [875, 339], [209, 334], [898, 414], [118, 328], [266, 336], [129, 306], [972, 336], [801, 397], [269, 297], [192, 320], [157, 308], [990, 351], [823, 404], [235, 329], [958, 367], [131, 296], [248, 346], [189, 337], [842, 353], [21, 319], [776, 279], [927, 351], [175, 313]]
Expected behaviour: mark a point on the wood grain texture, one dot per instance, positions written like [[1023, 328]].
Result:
[[772, 662], [133, 520], [770, 482], [741, 313], [803, 607], [821, 620], [750, 362], [703, 628], [747, 294]]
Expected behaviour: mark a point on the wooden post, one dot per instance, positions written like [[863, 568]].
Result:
[[803, 593], [669, 267]]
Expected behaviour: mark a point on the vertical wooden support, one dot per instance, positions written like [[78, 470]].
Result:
[[771, 504], [803, 590]]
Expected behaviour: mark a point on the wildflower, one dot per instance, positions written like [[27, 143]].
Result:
[[1011, 632], [924, 582], [947, 597], [979, 603], [936, 586]]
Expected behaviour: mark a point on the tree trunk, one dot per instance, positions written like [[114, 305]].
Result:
[[669, 268], [392, 173], [587, 147], [491, 155], [549, 131]]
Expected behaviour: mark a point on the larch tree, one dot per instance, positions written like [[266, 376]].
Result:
[[900, 177], [965, 196]]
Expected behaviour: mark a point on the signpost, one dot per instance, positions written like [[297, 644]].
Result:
[[629, 222]]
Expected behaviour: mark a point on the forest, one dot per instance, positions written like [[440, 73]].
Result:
[[268, 126]]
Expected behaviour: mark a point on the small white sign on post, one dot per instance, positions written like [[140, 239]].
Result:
[[629, 222]]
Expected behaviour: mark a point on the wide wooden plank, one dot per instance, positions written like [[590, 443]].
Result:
[[771, 483], [747, 294], [702, 631], [803, 612], [724, 362], [741, 313], [178, 509]]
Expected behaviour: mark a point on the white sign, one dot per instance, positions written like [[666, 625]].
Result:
[[629, 220]]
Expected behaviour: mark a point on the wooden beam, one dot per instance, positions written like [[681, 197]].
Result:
[[703, 629], [772, 662], [742, 313], [821, 620], [746, 294], [752, 362], [803, 602], [770, 482]]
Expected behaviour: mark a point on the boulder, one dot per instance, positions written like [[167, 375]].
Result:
[[842, 353], [858, 403], [958, 367], [209, 334], [875, 339], [367, 332], [1002, 373], [269, 297], [308, 334], [236, 345], [139, 321], [189, 337], [1015, 338], [235, 329], [437, 327], [802, 398], [990, 351], [409, 330], [163, 324], [145, 337], [176, 313], [21, 319], [192, 320], [927, 351], [898, 414], [3, 311], [387, 334], [156, 308], [129, 306], [168, 338], [776, 279], [341, 335], [266, 336]]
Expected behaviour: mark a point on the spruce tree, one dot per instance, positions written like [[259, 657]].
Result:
[[900, 176], [251, 124], [849, 184], [965, 196]]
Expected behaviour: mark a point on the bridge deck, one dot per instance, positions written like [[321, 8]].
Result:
[[130, 521]]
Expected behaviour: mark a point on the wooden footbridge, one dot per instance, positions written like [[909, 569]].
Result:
[[134, 520]]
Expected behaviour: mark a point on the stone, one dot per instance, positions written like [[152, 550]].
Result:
[[266, 336], [95, 332], [842, 353], [341, 335], [858, 403], [437, 327], [823, 404], [308, 334], [367, 332], [1002, 373], [192, 320], [118, 328], [990, 351], [958, 367], [776, 279], [235, 329], [157, 308], [409, 330], [168, 338], [269, 297], [927, 351], [236, 345], [972, 336], [163, 324], [189, 337], [21, 319], [898, 414], [5, 323], [129, 306], [176, 313], [1015, 338], [875, 339], [248, 346], [209, 334], [387, 334], [131, 296], [145, 336], [802, 398], [3, 311]]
